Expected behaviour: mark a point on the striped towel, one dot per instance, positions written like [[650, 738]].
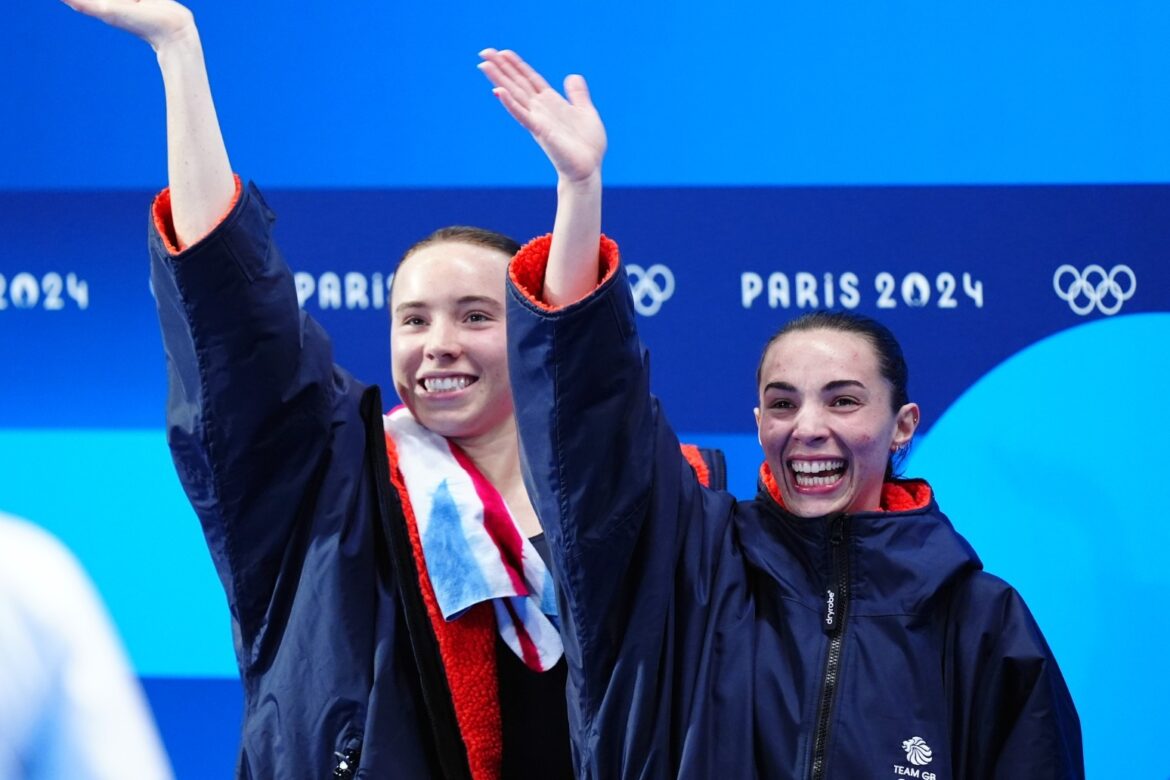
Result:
[[473, 549]]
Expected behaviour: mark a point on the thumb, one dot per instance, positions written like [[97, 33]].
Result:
[[577, 91]]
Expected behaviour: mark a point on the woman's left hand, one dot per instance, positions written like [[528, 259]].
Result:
[[569, 131]]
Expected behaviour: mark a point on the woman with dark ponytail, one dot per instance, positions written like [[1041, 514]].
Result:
[[837, 626]]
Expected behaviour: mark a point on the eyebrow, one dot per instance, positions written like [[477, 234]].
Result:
[[836, 384], [464, 301]]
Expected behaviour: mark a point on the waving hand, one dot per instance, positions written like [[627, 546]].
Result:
[[571, 133]]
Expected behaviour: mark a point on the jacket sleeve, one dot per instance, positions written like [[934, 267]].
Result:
[[251, 388], [1021, 721], [634, 540]]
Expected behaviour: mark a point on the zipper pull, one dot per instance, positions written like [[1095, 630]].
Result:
[[347, 763]]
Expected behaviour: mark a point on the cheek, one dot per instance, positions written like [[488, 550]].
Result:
[[772, 436], [492, 352], [404, 358]]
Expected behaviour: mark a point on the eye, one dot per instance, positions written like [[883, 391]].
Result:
[[478, 317], [845, 401], [781, 403], [413, 321]]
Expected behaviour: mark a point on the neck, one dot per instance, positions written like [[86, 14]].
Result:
[[497, 456]]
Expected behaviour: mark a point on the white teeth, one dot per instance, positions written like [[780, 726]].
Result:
[[445, 383], [806, 480], [816, 466]]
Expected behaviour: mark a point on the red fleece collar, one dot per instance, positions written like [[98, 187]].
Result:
[[467, 647], [903, 495]]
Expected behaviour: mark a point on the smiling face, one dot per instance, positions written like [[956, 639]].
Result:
[[447, 339], [826, 421]]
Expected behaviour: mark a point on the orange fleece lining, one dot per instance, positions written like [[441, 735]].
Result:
[[903, 495], [467, 647], [528, 267], [164, 221]]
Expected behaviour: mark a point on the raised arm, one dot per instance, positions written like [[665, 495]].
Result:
[[201, 181], [571, 133]]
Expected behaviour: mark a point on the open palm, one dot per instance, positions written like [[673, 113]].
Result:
[[568, 130]]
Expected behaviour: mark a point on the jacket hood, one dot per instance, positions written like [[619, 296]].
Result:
[[899, 559]]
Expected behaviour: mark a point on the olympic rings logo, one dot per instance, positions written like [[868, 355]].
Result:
[[1095, 287], [650, 287]]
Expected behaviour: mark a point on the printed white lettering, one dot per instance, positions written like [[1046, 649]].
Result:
[[356, 291], [51, 292], [379, 287], [850, 296], [806, 290], [777, 290], [24, 291], [329, 291], [915, 290], [946, 288], [351, 290], [78, 290], [884, 283], [53, 284], [750, 287], [974, 290]]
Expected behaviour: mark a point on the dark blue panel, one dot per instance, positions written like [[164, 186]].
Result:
[[844, 244]]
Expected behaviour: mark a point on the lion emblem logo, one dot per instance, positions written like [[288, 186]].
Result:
[[917, 751]]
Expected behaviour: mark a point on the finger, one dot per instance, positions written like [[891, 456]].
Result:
[[518, 112], [525, 71], [503, 83], [577, 91], [88, 7]]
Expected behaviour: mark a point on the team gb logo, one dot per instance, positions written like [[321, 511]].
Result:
[[917, 751]]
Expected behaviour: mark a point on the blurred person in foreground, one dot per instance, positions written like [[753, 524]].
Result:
[[70, 705]]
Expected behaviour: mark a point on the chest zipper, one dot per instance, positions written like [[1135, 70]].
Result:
[[833, 623]]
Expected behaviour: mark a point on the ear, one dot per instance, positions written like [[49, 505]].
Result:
[[759, 436], [905, 424]]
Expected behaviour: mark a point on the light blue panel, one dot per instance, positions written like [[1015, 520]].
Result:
[[114, 499], [1053, 466]]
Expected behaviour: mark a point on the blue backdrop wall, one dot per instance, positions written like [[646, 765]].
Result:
[[990, 182]]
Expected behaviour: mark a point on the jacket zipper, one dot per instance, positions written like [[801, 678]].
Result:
[[836, 607]]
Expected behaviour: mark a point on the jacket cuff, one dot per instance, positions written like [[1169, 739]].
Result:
[[164, 222], [528, 267]]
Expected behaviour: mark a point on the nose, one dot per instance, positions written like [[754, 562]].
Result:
[[810, 424], [442, 340]]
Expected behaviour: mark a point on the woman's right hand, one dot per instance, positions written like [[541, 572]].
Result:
[[157, 22]]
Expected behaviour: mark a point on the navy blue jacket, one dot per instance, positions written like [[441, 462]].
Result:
[[283, 458], [282, 455], [715, 638]]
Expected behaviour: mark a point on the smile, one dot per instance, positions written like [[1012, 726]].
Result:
[[817, 473], [446, 384]]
